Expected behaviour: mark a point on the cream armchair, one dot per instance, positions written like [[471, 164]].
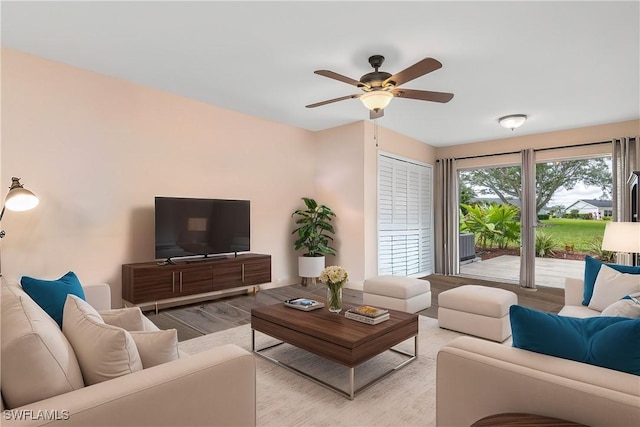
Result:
[[212, 388]]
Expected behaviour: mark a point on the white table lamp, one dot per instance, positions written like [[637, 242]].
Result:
[[622, 237]]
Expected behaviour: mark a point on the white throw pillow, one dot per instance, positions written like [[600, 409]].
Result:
[[624, 308], [610, 286], [128, 318], [156, 347], [37, 360], [103, 351]]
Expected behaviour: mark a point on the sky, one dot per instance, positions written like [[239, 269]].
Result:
[[580, 191], [564, 197]]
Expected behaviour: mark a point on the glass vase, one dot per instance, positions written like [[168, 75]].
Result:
[[334, 299]]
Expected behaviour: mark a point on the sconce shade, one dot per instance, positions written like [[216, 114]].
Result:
[[376, 99], [19, 198], [622, 237], [513, 121]]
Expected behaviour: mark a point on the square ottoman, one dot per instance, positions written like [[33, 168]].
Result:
[[477, 310], [407, 294]]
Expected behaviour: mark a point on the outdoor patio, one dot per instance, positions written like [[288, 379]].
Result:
[[550, 272]]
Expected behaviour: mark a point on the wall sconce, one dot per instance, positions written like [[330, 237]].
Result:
[[513, 121], [18, 199]]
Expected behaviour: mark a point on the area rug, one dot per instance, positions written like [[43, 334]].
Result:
[[405, 398]]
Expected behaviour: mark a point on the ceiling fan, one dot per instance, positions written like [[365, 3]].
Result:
[[379, 87]]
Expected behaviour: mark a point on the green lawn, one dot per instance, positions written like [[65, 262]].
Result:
[[579, 232]]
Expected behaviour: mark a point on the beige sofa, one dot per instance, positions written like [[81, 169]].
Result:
[[212, 388], [573, 296], [478, 378]]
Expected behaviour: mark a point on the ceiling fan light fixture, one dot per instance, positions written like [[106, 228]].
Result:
[[376, 99], [513, 121]]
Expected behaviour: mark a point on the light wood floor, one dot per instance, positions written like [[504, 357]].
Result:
[[204, 318]]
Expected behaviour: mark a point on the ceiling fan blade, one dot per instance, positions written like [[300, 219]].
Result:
[[418, 69], [423, 95], [329, 101], [376, 114], [339, 77]]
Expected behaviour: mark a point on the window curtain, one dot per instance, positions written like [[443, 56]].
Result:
[[625, 160], [446, 217], [528, 219]]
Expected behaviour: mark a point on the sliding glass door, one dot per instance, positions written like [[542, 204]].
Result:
[[490, 201], [534, 223]]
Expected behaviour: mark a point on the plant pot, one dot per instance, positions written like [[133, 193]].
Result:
[[310, 266]]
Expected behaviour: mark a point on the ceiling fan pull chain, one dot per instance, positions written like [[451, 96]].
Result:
[[375, 131]]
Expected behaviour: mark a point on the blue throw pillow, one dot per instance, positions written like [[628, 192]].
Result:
[[610, 342], [52, 294], [591, 270]]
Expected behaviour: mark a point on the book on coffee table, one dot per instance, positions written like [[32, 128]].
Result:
[[303, 304], [353, 315], [369, 311]]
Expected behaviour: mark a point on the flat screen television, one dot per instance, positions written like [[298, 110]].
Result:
[[187, 227]]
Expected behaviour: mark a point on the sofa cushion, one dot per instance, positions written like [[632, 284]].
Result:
[[37, 360], [156, 347], [591, 270], [52, 294], [610, 342], [128, 318], [103, 351], [611, 285]]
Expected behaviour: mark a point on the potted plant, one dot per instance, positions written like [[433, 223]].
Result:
[[314, 233]]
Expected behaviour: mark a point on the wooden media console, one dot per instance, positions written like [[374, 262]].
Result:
[[150, 284]]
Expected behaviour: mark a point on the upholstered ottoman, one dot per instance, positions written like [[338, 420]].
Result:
[[397, 293], [477, 310]]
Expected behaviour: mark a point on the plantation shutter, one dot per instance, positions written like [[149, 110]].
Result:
[[404, 217]]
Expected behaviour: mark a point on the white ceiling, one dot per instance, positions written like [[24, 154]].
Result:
[[564, 64]]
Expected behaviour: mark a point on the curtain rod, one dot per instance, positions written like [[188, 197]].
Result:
[[586, 144]]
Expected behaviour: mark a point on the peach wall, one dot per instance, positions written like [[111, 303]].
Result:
[[339, 184], [96, 150], [396, 143]]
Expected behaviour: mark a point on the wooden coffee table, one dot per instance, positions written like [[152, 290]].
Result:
[[334, 337]]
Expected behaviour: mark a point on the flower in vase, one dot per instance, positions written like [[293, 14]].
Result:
[[334, 276]]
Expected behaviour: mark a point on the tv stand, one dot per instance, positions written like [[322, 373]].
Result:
[[205, 258], [170, 284]]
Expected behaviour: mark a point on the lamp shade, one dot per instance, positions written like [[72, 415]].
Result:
[[19, 198], [622, 237], [513, 121], [376, 99]]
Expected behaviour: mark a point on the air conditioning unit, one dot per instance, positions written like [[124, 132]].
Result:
[[467, 246]]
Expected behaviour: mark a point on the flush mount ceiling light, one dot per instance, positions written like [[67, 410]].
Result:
[[376, 99], [513, 121]]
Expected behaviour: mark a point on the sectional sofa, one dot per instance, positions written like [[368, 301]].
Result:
[[478, 378], [212, 388]]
